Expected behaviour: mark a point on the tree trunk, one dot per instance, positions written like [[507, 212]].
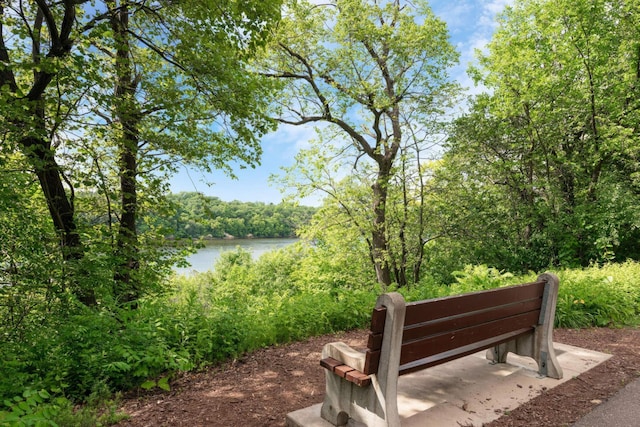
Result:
[[62, 213], [379, 232], [37, 147], [127, 287], [128, 115]]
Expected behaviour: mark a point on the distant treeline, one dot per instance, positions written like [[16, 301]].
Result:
[[199, 216]]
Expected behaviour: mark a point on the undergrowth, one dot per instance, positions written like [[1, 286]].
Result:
[[86, 356]]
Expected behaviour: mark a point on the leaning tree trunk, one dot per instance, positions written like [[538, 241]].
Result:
[[62, 214]]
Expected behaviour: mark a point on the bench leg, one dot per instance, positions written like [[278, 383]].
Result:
[[544, 353], [538, 346], [344, 400], [333, 407], [498, 354]]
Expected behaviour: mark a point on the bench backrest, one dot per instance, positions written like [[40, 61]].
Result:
[[438, 330]]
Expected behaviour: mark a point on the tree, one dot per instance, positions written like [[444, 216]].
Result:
[[182, 94], [555, 143], [34, 58], [187, 99], [371, 71]]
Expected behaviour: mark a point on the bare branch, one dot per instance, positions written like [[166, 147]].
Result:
[[302, 121], [311, 79], [285, 75]]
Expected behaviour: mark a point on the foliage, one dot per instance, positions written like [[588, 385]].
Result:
[[606, 296], [39, 408], [541, 172], [541, 169], [197, 216], [242, 305], [372, 77], [475, 278], [245, 304], [102, 101], [29, 409]]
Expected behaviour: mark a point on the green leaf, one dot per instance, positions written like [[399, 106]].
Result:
[[163, 383], [148, 385]]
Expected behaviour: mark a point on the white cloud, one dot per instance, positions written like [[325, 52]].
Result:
[[496, 6], [290, 136]]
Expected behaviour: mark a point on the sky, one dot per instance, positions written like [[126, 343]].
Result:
[[471, 24]]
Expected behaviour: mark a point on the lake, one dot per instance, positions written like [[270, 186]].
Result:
[[205, 258]]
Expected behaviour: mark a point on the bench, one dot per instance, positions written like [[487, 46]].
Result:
[[404, 338]]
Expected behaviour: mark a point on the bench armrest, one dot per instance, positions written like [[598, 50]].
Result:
[[345, 354]]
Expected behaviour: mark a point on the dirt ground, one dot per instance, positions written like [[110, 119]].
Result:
[[260, 388]]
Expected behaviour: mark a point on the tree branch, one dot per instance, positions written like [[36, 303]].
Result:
[[285, 75], [6, 74], [51, 22], [310, 79], [302, 121]]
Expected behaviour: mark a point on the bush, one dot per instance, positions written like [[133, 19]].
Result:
[[599, 296], [606, 295]]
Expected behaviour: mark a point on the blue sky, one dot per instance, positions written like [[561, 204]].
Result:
[[471, 24]]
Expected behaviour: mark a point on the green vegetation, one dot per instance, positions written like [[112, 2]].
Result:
[[100, 102], [543, 170], [109, 98], [243, 305], [198, 216], [380, 91]]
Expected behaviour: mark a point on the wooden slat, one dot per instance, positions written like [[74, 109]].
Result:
[[371, 362], [346, 372], [358, 378], [464, 320], [343, 370], [330, 363], [419, 349], [424, 311], [378, 318], [374, 341], [458, 352]]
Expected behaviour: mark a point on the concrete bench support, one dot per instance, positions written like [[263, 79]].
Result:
[[375, 405], [539, 344]]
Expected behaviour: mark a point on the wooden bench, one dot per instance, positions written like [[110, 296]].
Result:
[[404, 338]]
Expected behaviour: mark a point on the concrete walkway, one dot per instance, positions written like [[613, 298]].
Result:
[[622, 410], [471, 391]]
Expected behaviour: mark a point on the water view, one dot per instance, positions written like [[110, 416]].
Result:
[[205, 258]]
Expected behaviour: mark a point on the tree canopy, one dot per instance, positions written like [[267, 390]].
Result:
[[546, 162], [198, 216]]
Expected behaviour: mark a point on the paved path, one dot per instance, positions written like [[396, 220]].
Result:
[[622, 410]]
